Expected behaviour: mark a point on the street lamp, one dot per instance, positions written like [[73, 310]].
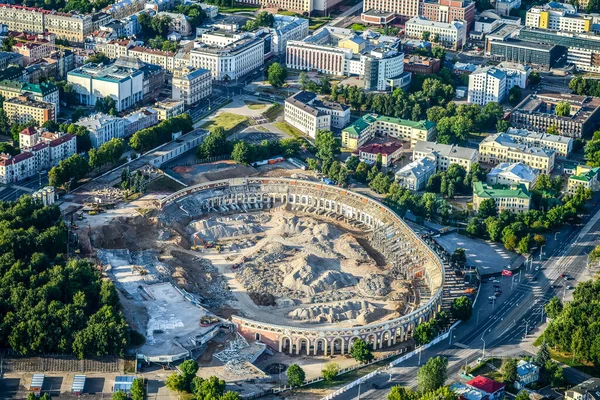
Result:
[[483, 350]]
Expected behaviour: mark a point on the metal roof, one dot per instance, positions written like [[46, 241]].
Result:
[[78, 383], [37, 381]]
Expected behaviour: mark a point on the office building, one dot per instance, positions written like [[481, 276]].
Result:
[[25, 108], [449, 10], [376, 17], [451, 34], [404, 9], [309, 115], [502, 148], [145, 118], [287, 28], [446, 154], [366, 127], [390, 152], [514, 198], [513, 174], [562, 145], [415, 175], [232, 61], [191, 85], [103, 128], [525, 52], [537, 112], [557, 16], [168, 108], [487, 84], [378, 60]]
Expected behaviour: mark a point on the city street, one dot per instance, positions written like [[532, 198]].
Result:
[[12, 192]]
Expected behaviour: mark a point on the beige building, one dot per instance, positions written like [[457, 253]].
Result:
[[308, 114], [562, 145], [168, 108], [23, 109], [502, 148], [446, 154], [584, 176], [191, 85], [515, 198]]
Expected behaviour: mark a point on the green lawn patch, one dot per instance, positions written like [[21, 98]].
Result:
[[273, 112], [237, 9], [290, 130], [289, 13], [229, 121], [253, 105], [358, 27], [163, 184], [315, 23]]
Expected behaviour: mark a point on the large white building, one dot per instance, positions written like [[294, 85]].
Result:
[[446, 154], [559, 17], [123, 84], [309, 115], [414, 176], [513, 174], [493, 84], [191, 85], [562, 145], [231, 61], [450, 34], [378, 60], [502, 148], [287, 28], [102, 128]]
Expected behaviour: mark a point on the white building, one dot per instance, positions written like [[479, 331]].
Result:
[[48, 148], [307, 114], [168, 108], [191, 85], [446, 154], [123, 84], [414, 176], [562, 145], [486, 85], [16, 168], [512, 174], [142, 119], [232, 61], [287, 28], [179, 22], [452, 34], [502, 148], [102, 128], [527, 373], [558, 17]]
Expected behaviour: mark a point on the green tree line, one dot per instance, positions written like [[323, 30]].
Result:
[[154, 136]]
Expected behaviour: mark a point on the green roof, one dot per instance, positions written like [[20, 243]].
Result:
[[43, 88], [489, 192], [363, 123], [586, 176]]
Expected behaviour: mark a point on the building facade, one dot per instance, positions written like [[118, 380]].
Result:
[[562, 145], [514, 198], [584, 176], [390, 152], [513, 174], [103, 128], [486, 85], [309, 115], [287, 28], [168, 108], [451, 34], [25, 108], [191, 85], [446, 155], [449, 10], [415, 175], [145, 118], [501, 148]]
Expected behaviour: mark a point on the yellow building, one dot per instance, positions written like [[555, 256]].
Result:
[[585, 176], [23, 109], [501, 148]]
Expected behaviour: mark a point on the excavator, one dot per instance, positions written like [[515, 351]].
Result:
[[207, 244]]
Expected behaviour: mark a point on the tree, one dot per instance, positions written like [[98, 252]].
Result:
[[119, 395], [137, 389], [554, 307], [327, 145], [438, 51], [563, 109], [241, 153], [8, 149], [330, 371], [175, 382], [502, 125], [509, 371], [98, 58], [461, 308], [424, 333], [534, 78], [72, 168], [361, 351], [459, 256], [539, 239], [552, 130], [443, 393], [277, 74], [525, 244], [425, 36], [522, 395], [432, 375], [543, 355], [303, 80], [215, 144], [231, 395], [487, 208], [295, 375], [352, 162], [401, 393], [514, 95], [208, 389]]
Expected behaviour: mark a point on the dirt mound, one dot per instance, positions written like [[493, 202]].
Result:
[[373, 285], [217, 228], [347, 310], [312, 274]]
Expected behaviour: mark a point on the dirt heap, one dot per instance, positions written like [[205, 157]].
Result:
[[311, 274], [375, 285], [218, 228]]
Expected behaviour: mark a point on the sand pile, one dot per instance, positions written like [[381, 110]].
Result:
[[216, 228], [374, 285], [311, 274]]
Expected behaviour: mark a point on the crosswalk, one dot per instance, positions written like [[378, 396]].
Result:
[[461, 345]]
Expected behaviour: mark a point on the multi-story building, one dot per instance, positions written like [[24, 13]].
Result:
[[369, 125], [45, 91], [23, 19], [179, 22], [309, 115], [527, 373], [515, 198], [587, 390], [501, 148], [232, 61], [124, 8], [451, 34], [537, 112], [446, 154], [191, 85], [503, 7], [449, 10], [516, 74], [584, 176], [404, 9], [47, 148], [168, 108], [24, 108], [557, 16], [562, 145], [378, 60], [287, 28], [487, 84], [525, 52], [16, 168], [489, 20], [103, 128], [414, 176], [145, 118], [32, 51], [390, 152], [311, 8], [8, 58], [417, 64], [513, 174], [376, 17]]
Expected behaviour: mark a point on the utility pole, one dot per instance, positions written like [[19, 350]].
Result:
[[526, 328], [483, 350], [358, 390]]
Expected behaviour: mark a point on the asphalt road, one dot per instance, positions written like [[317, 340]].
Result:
[[12, 192], [501, 326]]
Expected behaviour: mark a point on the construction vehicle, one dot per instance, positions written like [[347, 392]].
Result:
[[208, 320], [207, 245], [195, 248]]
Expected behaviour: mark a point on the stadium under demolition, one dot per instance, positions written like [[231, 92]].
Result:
[[293, 266]]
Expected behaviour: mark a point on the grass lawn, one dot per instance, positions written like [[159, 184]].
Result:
[[358, 27], [315, 23], [273, 112], [237, 9], [253, 105], [289, 13], [567, 358], [485, 370], [290, 130], [163, 184], [230, 122]]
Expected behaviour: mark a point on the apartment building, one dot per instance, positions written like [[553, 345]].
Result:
[[515, 198], [287, 28], [7, 58], [451, 34], [16, 168], [446, 154], [191, 85], [537, 112], [124, 8], [584, 176], [309, 115], [501, 148], [168, 108], [562, 145], [103, 128], [48, 148], [23, 19], [513, 174], [179, 22], [415, 175], [390, 152], [25, 108], [145, 118], [377, 60], [370, 125], [32, 51], [557, 16], [232, 61], [486, 85], [45, 91], [449, 10]]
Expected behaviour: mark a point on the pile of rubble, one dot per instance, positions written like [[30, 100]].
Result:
[[240, 355]]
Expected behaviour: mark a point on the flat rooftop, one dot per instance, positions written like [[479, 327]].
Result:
[[584, 106]]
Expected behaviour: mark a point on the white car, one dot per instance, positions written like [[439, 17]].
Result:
[[537, 268], [492, 297]]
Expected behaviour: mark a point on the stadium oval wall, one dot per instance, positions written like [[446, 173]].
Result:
[[403, 249]]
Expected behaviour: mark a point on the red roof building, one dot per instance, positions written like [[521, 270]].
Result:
[[495, 390], [390, 152]]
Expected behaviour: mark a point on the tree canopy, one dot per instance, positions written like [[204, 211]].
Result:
[[433, 374], [276, 74]]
